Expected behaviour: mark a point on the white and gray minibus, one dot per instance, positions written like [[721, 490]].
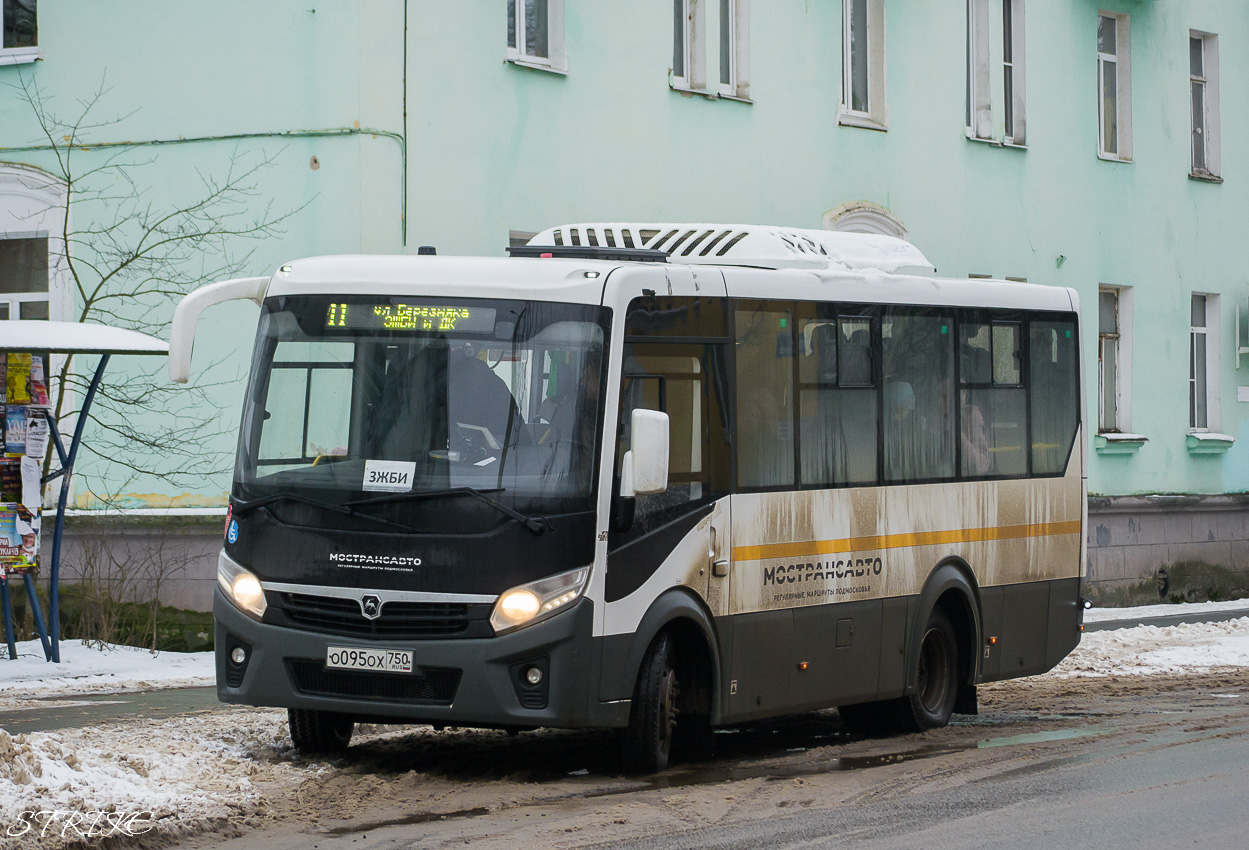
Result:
[[656, 477]]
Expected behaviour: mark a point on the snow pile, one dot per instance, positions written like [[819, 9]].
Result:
[[1153, 650], [112, 669], [170, 777]]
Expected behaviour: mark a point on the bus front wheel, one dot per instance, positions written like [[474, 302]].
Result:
[[936, 681], [319, 731], [653, 715]]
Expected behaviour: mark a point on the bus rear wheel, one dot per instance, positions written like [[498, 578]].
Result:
[[319, 731], [653, 715], [936, 681]]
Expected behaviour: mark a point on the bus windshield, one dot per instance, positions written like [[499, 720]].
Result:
[[396, 400]]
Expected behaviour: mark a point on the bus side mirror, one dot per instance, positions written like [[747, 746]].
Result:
[[186, 314], [644, 469]]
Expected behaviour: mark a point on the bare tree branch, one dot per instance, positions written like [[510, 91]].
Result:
[[130, 261]]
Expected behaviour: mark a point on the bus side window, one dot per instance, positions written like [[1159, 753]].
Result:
[[837, 399], [1055, 403], [992, 401], [918, 350], [765, 385]]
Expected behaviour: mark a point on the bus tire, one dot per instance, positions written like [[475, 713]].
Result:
[[653, 714], [936, 680], [319, 731]]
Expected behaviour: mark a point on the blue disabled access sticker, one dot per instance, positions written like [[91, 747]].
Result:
[[233, 534]]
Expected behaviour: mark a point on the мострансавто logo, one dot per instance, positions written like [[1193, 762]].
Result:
[[822, 571], [351, 560]]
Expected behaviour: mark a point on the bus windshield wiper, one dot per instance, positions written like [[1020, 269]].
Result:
[[536, 524], [247, 507]]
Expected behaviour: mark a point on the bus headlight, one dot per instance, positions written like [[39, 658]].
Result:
[[533, 602], [240, 586]]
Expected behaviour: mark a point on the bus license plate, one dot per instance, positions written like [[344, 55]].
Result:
[[356, 658]]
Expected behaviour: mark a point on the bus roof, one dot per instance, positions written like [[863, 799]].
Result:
[[582, 280]]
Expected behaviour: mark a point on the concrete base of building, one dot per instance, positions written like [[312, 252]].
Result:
[[136, 559], [1142, 550], [1149, 549]]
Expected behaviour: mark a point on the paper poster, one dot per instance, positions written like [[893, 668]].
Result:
[[10, 542], [38, 383], [3, 383], [14, 428], [36, 433], [32, 484], [28, 528], [10, 479], [17, 379]]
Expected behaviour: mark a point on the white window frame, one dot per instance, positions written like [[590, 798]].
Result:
[[698, 20], [737, 21], [1014, 133], [876, 117], [557, 60], [986, 50], [32, 206], [1211, 377], [1210, 132], [19, 55], [688, 38], [1122, 60], [1122, 337]]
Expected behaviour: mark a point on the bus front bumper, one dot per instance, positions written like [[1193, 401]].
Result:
[[475, 682]]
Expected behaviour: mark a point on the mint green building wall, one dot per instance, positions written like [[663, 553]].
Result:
[[493, 147], [610, 141], [202, 88]]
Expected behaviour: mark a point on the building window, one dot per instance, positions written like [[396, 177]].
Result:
[[863, 64], [735, 49], [986, 20], [1203, 364], [19, 37], [24, 278], [692, 22], [1114, 74], [1203, 82], [34, 279], [1108, 360], [687, 71], [535, 34]]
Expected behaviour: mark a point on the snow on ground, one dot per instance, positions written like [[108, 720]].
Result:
[[190, 774], [85, 669], [169, 777], [1100, 615], [1151, 650]]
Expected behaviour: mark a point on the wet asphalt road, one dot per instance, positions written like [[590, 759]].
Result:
[[76, 712]]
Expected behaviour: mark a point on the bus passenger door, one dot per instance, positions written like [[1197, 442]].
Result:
[[675, 356]]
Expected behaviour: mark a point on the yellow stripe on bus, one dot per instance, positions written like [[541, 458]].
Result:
[[901, 541]]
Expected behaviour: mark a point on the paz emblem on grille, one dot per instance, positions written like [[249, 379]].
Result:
[[370, 606]]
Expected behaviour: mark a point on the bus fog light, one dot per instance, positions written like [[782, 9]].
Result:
[[530, 603], [238, 655], [533, 676]]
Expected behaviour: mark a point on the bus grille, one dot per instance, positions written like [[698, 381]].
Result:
[[437, 686], [398, 620]]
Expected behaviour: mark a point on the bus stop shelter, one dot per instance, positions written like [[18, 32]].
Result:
[[38, 336]]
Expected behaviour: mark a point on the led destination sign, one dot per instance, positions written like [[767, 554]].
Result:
[[410, 317]]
